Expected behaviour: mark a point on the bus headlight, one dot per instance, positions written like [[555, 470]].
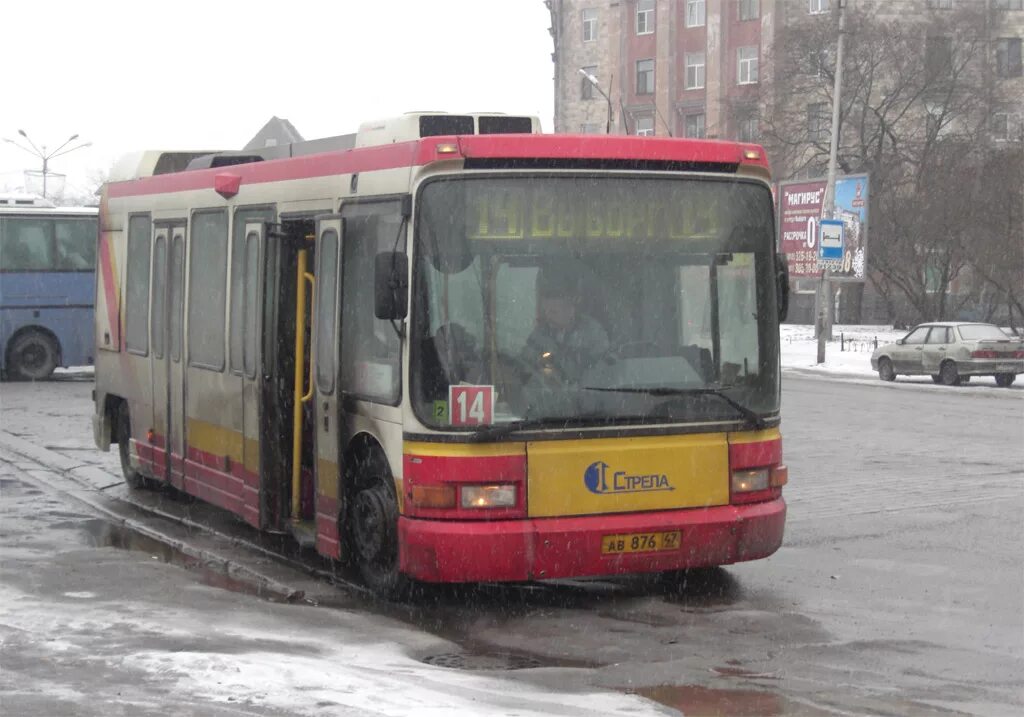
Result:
[[747, 481], [488, 496]]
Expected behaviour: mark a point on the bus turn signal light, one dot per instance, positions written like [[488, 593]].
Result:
[[780, 476], [751, 154], [433, 496], [488, 496]]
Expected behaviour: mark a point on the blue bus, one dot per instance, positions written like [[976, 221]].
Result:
[[47, 286]]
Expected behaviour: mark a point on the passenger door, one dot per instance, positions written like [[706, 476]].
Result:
[[176, 359], [935, 349], [907, 358], [252, 323], [158, 342], [329, 233]]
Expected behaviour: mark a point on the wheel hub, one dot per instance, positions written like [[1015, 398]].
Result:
[[373, 520]]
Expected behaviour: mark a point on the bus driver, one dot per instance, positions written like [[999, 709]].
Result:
[[565, 342]]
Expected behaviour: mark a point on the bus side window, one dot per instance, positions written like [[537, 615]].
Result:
[[136, 302], [370, 348], [26, 245], [76, 244]]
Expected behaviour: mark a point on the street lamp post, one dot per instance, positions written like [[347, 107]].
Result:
[[824, 311], [43, 154], [597, 86]]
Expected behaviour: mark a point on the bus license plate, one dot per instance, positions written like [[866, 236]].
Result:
[[639, 542], [1005, 367]]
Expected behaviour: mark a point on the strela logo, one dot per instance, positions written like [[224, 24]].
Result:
[[600, 480]]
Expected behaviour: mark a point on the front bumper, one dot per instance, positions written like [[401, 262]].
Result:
[[537, 549]]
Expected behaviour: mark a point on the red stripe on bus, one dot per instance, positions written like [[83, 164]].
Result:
[[110, 289]]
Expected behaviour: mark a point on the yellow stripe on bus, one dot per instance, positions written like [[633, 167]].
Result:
[[463, 450]]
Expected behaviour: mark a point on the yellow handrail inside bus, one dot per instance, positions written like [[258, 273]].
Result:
[[301, 395]]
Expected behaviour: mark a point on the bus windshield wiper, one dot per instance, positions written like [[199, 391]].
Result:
[[752, 417], [503, 430]]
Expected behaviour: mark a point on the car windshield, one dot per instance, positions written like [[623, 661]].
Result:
[[593, 300], [979, 332]]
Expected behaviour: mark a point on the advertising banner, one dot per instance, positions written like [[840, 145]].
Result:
[[800, 213]]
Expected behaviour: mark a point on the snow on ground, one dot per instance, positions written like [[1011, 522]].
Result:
[[848, 354]]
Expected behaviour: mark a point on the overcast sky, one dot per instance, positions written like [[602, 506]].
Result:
[[181, 74]]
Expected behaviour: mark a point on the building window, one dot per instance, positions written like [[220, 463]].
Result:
[[694, 70], [644, 77], [695, 10], [591, 128], [746, 128], [644, 17], [1006, 127], [749, 9], [940, 4], [747, 66], [589, 24], [645, 126], [694, 126], [1008, 4], [586, 86], [938, 56], [818, 7], [817, 121], [1008, 59]]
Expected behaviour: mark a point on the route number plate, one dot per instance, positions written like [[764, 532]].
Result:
[[640, 542]]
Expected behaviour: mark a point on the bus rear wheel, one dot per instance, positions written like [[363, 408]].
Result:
[[373, 521], [132, 477], [32, 356]]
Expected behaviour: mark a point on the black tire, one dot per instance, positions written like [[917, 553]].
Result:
[[132, 477], [936, 378], [1005, 380], [373, 531], [885, 370], [32, 356], [948, 374]]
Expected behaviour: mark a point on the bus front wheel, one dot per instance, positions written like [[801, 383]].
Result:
[[32, 356], [373, 524]]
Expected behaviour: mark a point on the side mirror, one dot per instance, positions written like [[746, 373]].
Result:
[[899, 342], [782, 285], [391, 285]]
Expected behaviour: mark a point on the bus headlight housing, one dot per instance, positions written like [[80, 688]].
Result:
[[748, 481], [487, 496]]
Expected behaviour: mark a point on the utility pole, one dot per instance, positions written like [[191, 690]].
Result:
[[824, 310], [597, 86], [43, 154]]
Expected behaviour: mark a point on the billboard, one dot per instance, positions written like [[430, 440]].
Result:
[[800, 214]]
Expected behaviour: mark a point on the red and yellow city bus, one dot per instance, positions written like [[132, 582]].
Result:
[[451, 348]]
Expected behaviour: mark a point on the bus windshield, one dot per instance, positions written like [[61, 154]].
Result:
[[583, 300]]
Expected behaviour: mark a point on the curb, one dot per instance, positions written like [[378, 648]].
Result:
[[85, 478]]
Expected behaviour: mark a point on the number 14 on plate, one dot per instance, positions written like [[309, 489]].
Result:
[[471, 405]]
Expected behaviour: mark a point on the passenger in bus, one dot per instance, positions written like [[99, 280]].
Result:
[[566, 341]]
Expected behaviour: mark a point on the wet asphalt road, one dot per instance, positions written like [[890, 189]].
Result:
[[898, 589]]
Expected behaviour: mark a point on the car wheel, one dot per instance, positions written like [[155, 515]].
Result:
[[32, 356], [936, 378], [1005, 380], [373, 521], [948, 374], [885, 370], [132, 477]]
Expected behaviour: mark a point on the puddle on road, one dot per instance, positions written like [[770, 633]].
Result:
[[490, 659], [695, 701], [102, 534]]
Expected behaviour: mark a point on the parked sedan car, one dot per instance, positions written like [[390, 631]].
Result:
[[951, 352]]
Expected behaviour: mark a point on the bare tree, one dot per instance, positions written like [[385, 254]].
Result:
[[915, 112]]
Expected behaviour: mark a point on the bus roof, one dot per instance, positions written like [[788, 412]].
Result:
[[513, 151]]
